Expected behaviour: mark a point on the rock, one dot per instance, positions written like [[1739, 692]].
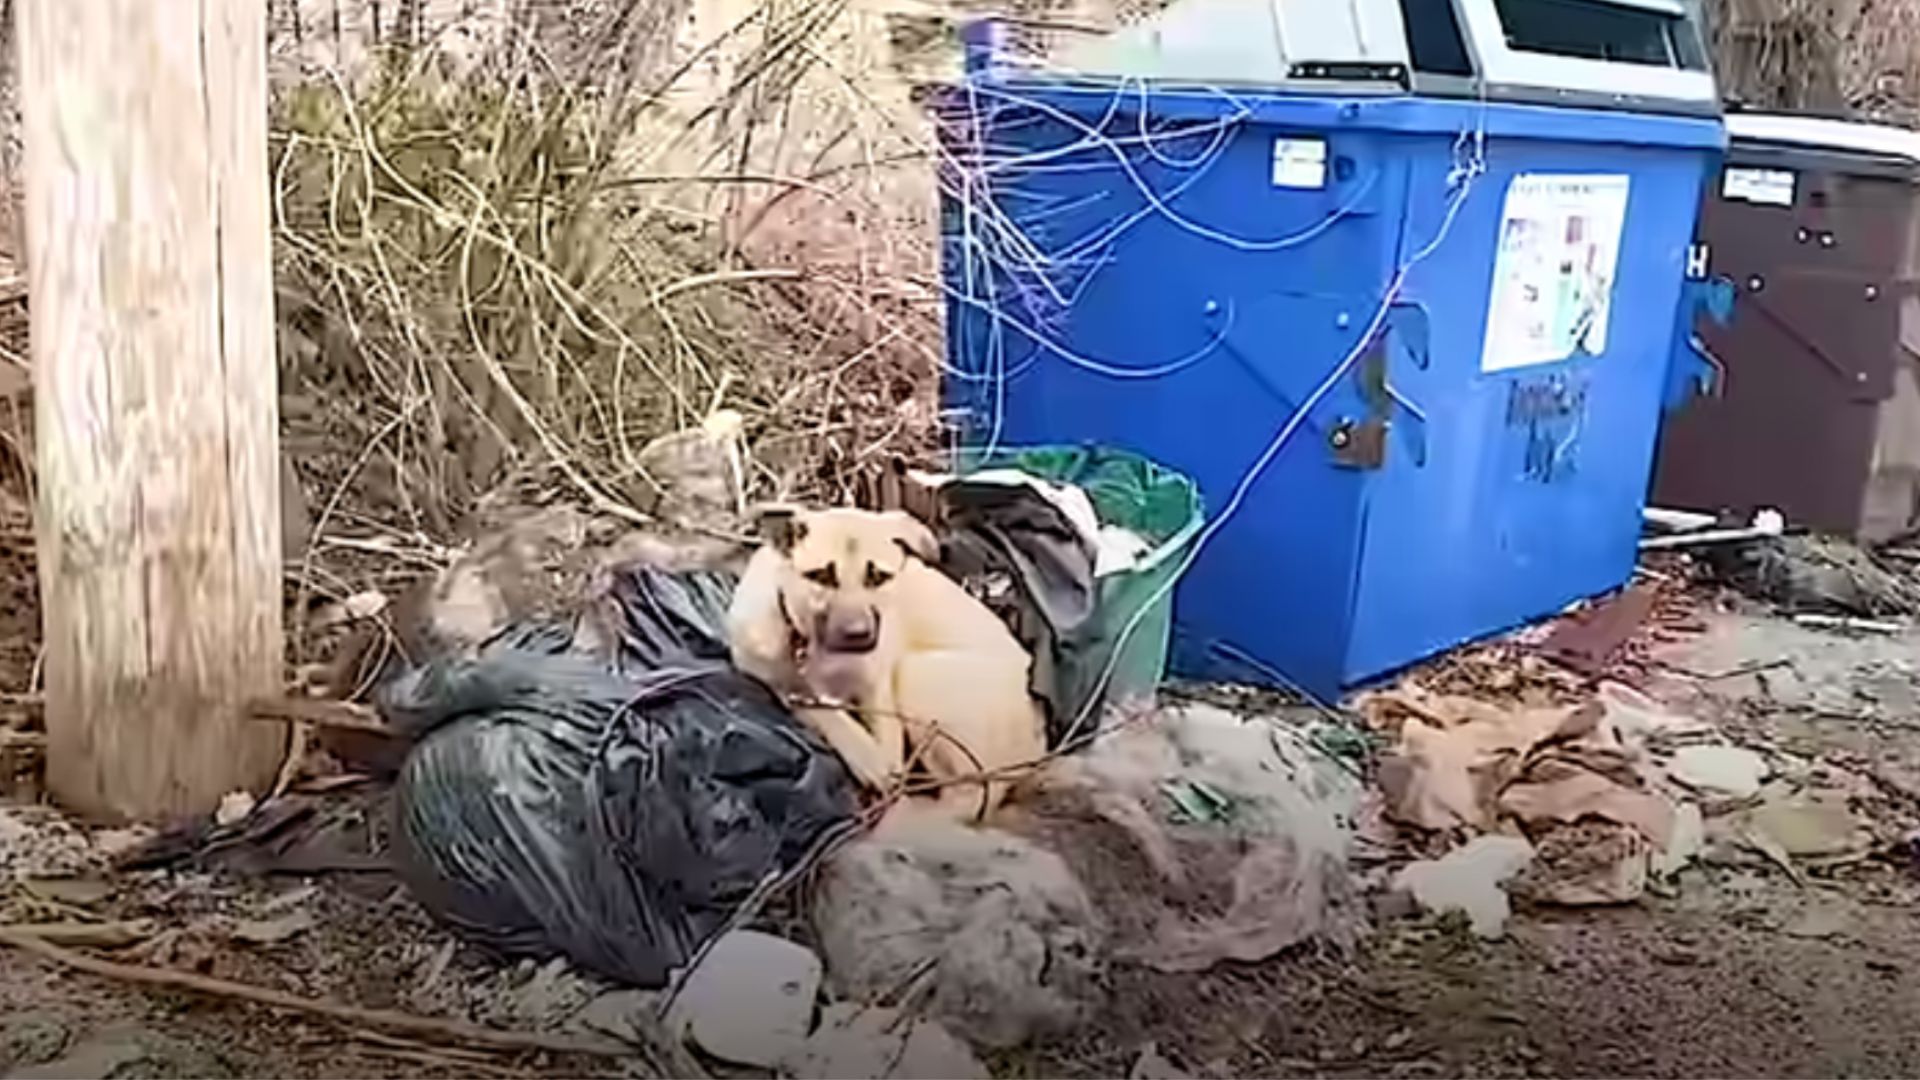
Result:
[[94, 1058], [234, 808], [1638, 718], [1470, 879], [526, 996], [750, 1001], [1816, 825], [1724, 771], [1590, 864], [29, 1038], [856, 1043], [1001, 932], [1151, 1065], [12, 830], [273, 931], [1818, 922], [113, 844], [71, 891], [1688, 840]]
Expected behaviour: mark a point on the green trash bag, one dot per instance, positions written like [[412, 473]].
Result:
[[1096, 640]]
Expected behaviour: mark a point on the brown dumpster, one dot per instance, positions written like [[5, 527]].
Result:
[[1817, 411]]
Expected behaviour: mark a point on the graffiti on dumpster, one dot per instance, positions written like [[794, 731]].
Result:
[[1550, 413]]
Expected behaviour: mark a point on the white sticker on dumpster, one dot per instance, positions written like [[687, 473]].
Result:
[[1299, 163], [1767, 187], [1559, 249]]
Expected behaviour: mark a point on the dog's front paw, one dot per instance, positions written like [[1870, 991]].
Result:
[[873, 773], [870, 768]]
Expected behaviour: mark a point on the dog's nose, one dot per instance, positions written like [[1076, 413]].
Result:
[[854, 639]]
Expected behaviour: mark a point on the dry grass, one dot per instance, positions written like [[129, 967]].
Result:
[[1841, 57], [498, 283]]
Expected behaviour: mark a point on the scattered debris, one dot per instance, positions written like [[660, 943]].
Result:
[[273, 931], [1150, 1065], [1815, 826], [1818, 921], [1639, 719], [860, 1043], [100, 1055], [750, 1000], [1677, 520], [1685, 843], [627, 1015], [70, 891], [991, 932], [360, 607], [234, 808], [1729, 772], [1454, 753], [429, 1027], [1817, 574], [1588, 642], [90, 935], [1470, 879], [1465, 762], [1203, 836], [1849, 624], [1587, 864], [1767, 525]]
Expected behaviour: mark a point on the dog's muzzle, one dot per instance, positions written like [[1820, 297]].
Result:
[[854, 632]]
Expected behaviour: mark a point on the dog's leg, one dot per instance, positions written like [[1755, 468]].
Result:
[[865, 757], [881, 712], [966, 718]]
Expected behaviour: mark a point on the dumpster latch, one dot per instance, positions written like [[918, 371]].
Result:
[[1359, 444], [1692, 370]]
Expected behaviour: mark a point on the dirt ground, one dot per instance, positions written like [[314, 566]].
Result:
[[1739, 968]]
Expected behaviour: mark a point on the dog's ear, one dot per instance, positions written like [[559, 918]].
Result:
[[913, 535], [780, 525]]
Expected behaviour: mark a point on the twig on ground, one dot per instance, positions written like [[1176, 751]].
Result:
[[99, 935], [444, 1053], [443, 1060], [430, 1027], [339, 715]]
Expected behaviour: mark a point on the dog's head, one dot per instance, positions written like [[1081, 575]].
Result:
[[840, 569]]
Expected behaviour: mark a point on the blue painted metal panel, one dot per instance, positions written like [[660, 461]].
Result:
[[1158, 270]]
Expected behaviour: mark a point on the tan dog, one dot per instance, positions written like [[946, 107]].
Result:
[[840, 608]]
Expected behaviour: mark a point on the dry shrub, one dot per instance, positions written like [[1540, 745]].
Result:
[[1840, 57], [498, 281]]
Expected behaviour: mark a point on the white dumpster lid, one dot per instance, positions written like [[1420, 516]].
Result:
[[1824, 134], [1643, 51]]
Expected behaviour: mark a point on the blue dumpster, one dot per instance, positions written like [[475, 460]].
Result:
[[1412, 349]]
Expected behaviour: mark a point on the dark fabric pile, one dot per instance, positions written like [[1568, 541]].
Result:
[[1020, 556], [609, 791]]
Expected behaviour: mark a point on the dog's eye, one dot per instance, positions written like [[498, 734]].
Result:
[[825, 577], [877, 577]]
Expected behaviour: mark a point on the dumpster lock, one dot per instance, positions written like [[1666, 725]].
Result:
[[1359, 444]]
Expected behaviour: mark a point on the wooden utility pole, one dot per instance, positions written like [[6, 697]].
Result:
[[155, 407]]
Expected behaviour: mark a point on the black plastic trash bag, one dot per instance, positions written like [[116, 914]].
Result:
[[609, 800]]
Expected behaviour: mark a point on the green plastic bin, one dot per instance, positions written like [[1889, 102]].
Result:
[[1163, 508]]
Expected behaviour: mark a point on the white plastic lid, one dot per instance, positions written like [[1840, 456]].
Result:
[[1823, 134]]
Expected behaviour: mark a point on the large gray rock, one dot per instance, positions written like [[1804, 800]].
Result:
[[750, 1001]]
